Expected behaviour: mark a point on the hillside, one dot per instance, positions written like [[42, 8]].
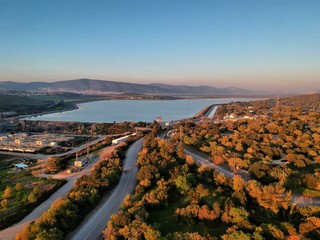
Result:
[[100, 86], [29, 105]]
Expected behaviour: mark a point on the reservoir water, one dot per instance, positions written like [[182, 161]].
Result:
[[135, 110]]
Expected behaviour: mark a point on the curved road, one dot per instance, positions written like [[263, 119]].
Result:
[[201, 161], [10, 233], [91, 228], [296, 199]]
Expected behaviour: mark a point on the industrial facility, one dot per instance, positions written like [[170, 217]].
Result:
[[30, 143]]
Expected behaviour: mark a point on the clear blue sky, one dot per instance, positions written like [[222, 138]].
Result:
[[257, 44]]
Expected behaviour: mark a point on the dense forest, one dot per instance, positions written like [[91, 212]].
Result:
[[273, 158], [175, 199]]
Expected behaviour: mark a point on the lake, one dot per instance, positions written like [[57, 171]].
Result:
[[134, 110]]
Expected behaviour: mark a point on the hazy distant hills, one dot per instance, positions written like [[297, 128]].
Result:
[[85, 85]]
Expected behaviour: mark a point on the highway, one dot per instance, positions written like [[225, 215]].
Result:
[[9, 233], [91, 228]]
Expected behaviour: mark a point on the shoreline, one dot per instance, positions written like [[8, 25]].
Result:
[[19, 117], [33, 117]]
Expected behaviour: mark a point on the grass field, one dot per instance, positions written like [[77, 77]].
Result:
[[168, 223], [26, 191]]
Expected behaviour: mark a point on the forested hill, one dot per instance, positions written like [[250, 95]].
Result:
[[82, 85], [306, 102], [10, 103], [28, 105]]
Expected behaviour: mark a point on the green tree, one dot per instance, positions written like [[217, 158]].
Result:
[[51, 234], [239, 235], [182, 184], [36, 190], [19, 186], [151, 234], [272, 232], [32, 198]]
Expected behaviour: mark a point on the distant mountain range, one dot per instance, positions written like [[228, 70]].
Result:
[[101, 86]]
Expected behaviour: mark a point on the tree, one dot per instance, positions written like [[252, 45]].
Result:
[[182, 184], [151, 234], [32, 198], [239, 235], [235, 163], [272, 232], [55, 164], [4, 203], [7, 193], [239, 147], [272, 196], [190, 160], [311, 224], [19, 186], [310, 181], [147, 172], [51, 234], [238, 183], [36, 190], [236, 215]]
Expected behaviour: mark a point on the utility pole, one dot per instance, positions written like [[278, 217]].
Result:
[[87, 152], [180, 133]]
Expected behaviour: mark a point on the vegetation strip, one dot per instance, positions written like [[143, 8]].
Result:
[[65, 214]]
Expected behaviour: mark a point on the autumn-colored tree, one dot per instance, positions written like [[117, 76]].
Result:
[[190, 160], [235, 163], [4, 203], [7, 193], [272, 196], [272, 232], [238, 183], [311, 224], [55, 164], [32, 198]]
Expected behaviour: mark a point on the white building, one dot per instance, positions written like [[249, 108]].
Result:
[[119, 140]]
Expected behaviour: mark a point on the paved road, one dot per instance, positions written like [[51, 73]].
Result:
[[296, 199], [213, 111], [92, 227], [9, 233], [204, 161]]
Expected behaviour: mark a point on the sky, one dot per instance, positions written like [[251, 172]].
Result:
[[268, 45]]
